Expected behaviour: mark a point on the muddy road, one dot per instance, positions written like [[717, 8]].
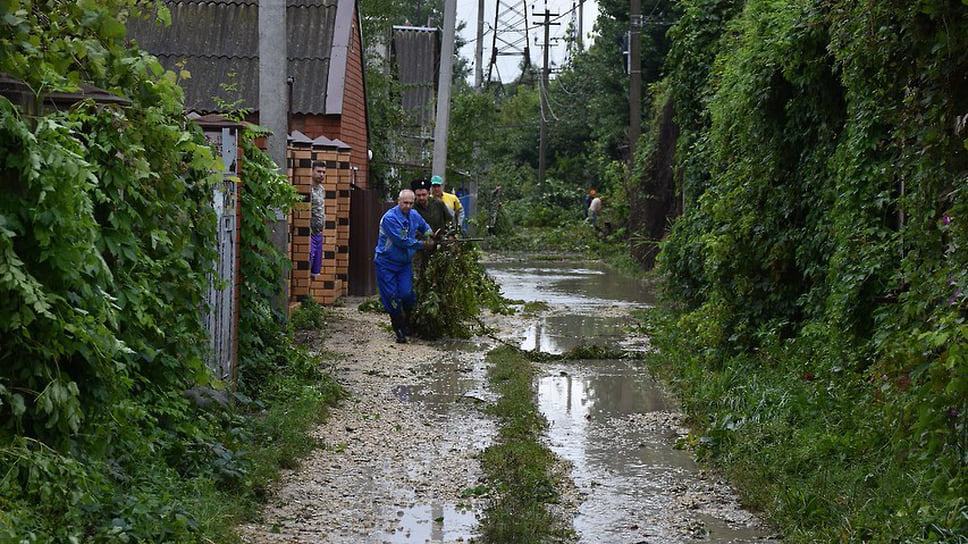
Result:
[[397, 462]]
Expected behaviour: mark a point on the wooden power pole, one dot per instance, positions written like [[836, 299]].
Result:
[[543, 132], [479, 48], [581, 25]]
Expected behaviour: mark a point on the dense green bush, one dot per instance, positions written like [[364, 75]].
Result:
[[452, 290], [264, 343], [823, 160], [112, 427]]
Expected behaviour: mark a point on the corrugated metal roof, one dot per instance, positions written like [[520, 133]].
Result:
[[218, 42], [415, 55]]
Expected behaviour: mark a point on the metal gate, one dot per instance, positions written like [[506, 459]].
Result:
[[221, 317]]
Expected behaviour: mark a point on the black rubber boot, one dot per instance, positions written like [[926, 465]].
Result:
[[406, 323], [396, 320]]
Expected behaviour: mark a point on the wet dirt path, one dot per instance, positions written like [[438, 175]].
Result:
[[390, 466], [397, 462]]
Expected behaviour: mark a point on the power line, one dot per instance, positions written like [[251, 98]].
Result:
[[543, 133]]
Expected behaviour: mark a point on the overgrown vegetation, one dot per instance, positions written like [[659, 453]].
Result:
[[518, 468], [112, 427], [818, 270], [265, 348], [452, 291], [107, 231], [310, 316]]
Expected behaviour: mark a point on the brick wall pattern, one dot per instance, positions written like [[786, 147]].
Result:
[[333, 280]]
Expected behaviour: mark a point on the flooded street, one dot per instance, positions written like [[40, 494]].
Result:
[[399, 461], [611, 421]]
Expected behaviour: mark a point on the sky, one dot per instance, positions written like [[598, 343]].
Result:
[[508, 66]]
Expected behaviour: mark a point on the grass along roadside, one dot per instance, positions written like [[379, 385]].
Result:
[[292, 400], [806, 440], [277, 431], [519, 469]]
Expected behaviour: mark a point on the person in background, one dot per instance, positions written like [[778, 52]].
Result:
[[435, 213], [494, 206], [465, 203], [588, 201], [594, 209], [432, 210], [393, 258], [450, 199], [317, 218]]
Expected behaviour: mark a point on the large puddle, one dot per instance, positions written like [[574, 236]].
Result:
[[590, 301], [581, 286], [610, 419]]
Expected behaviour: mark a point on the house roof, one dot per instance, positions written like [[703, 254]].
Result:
[[217, 41], [416, 55]]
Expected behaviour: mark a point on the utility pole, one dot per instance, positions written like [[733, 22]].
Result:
[[273, 111], [635, 76], [442, 120], [543, 132], [581, 25], [479, 47]]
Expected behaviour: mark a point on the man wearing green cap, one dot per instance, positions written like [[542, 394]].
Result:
[[450, 199]]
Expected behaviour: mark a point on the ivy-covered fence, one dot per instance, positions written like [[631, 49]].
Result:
[[106, 242], [821, 262]]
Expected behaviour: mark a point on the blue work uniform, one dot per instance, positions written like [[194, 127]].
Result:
[[395, 248]]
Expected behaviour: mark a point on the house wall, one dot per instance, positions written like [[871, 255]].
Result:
[[353, 121], [314, 125], [351, 129], [350, 126]]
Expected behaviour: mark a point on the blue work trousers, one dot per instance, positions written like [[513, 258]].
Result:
[[396, 286]]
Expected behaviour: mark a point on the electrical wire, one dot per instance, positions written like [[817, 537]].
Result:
[[547, 100]]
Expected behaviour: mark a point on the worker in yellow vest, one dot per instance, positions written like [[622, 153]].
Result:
[[450, 199]]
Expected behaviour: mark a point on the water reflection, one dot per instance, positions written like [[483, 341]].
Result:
[[560, 333], [612, 421], [431, 523], [455, 379], [588, 286]]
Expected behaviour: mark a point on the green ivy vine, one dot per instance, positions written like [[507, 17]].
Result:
[[822, 156], [107, 238]]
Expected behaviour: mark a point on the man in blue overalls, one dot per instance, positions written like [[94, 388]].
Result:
[[395, 249]]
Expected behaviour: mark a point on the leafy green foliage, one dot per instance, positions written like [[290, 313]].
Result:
[[371, 305], [113, 428], [550, 205], [823, 167], [264, 343], [310, 315], [107, 232], [452, 291]]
